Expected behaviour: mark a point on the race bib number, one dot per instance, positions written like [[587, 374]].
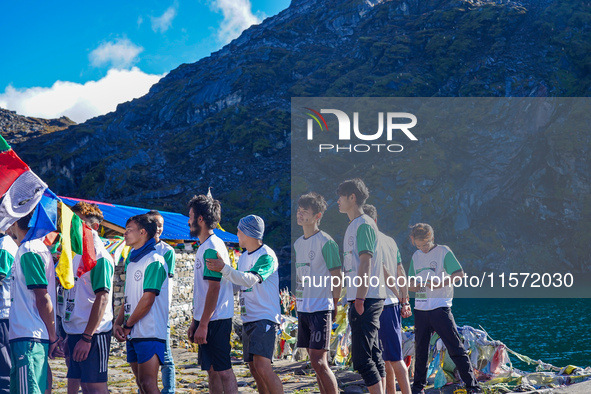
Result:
[[69, 298], [69, 309], [242, 305], [126, 309], [60, 296], [302, 271], [421, 295]]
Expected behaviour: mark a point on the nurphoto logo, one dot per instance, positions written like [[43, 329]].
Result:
[[395, 122]]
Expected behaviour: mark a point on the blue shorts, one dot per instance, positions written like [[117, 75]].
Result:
[[390, 333], [142, 350]]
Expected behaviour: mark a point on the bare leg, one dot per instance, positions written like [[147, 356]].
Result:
[[95, 388], [326, 379], [229, 381], [390, 382], [265, 371], [401, 373], [261, 384], [74, 386], [215, 382], [148, 375], [134, 369]]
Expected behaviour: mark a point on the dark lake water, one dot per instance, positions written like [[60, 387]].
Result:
[[556, 331]]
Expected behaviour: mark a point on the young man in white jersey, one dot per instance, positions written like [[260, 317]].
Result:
[[433, 302], [365, 284], [143, 318], [8, 250], [213, 298], [259, 301], [88, 314], [317, 260], [32, 332], [167, 252], [396, 307]]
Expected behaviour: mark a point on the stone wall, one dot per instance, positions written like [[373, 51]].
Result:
[[181, 309]]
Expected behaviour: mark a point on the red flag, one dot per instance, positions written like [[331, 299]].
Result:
[[88, 255], [11, 167], [50, 238]]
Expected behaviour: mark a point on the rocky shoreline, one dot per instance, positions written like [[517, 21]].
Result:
[[297, 377]]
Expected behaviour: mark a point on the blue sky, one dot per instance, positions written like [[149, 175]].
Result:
[[69, 57]]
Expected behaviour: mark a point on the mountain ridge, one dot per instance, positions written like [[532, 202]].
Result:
[[16, 128]]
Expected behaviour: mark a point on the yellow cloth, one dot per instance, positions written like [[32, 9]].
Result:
[[125, 252], [570, 369], [232, 255], [64, 269]]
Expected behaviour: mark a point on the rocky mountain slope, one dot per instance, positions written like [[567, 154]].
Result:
[[224, 120], [17, 128]]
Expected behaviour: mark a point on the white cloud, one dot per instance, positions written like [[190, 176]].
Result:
[[163, 22], [77, 101], [121, 53], [237, 17], [140, 20]]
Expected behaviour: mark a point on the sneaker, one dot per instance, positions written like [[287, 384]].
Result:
[[473, 390], [415, 391]]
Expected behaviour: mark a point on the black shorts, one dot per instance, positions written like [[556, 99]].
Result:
[[94, 368], [258, 338], [314, 330], [216, 352], [5, 362]]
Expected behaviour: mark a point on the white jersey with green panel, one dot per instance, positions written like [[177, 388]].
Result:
[[391, 260], [32, 269], [167, 251], [149, 274], [261, 301], [437, 262], [80, 298], [314, 258], [361, 238], [8, 251], [209, 249]]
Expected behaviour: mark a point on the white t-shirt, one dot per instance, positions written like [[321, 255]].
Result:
[[437, 262], [391, 259], [314, 258], [261, 301], [32, 269], [225, 306], [8, 251], [167, 252], [150, 273], [80, 298], [360, 238]]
